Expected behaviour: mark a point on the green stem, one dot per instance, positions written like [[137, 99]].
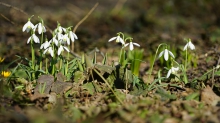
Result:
[[46, 66], [186, 60], [61, 62], [120, 57], [67, 63], [53, 61], [33, 59], [155, 56], [41, 52]]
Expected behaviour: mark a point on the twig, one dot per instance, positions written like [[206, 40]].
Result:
[[118, 7], [10, 6], [7, 19], [81, 21], [87, 15]]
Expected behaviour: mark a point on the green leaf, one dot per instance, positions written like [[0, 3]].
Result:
[[165, 94], [79, 77], [193, 96], [91, 87], [104, 68]]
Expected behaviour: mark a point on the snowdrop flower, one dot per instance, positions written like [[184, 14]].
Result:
[[72, 36], [54, 40], [166, 54], [66, 39], [60, 29], [59, 36], [61, 48], [189, 45], [45, 45], [28, 26], [35, 38], [50, 50], [41, 28], [172, 70], [118, 39], [131, 45]]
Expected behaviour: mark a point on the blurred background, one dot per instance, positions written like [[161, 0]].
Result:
[[149, 22]]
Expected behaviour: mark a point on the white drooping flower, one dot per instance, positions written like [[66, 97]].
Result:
[[172, 70], [189, 45], [60, 29], [72, 36], [66, 39], [59, 36], [50, 50], [33, 37], [41, 28], [118, 39], [54, 40], [28, 26], [166, 54], [45, 45], [131, 45], [61, 48]]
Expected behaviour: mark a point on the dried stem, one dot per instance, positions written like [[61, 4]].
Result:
[[81, 21], [118, 7], [10, 6]]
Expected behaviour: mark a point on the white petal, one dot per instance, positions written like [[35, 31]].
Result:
[[175, 69], [136, 44], [45, 51], [60, 29], [168, 74], [40, 28], [36, 39], [41, 46], [44, 29], [131, 46], [121, 40], [64, 29], [30, 24], [75, 36], [161, 53], [185, 47], [28, 40], [35, 27], [60, 36], [55, 41], [171, 54], [47, 44], [50, 50], [126, 45], [111, 39], [118, 39], [166, 54], [68, 41], [66, 49], [71, 36], [60, 50], [192, 47], [25, 27]]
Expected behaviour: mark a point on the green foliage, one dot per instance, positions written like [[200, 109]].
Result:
[[135, 57]]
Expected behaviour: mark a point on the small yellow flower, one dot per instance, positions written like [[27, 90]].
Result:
[[6, 74], [1, 59]]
